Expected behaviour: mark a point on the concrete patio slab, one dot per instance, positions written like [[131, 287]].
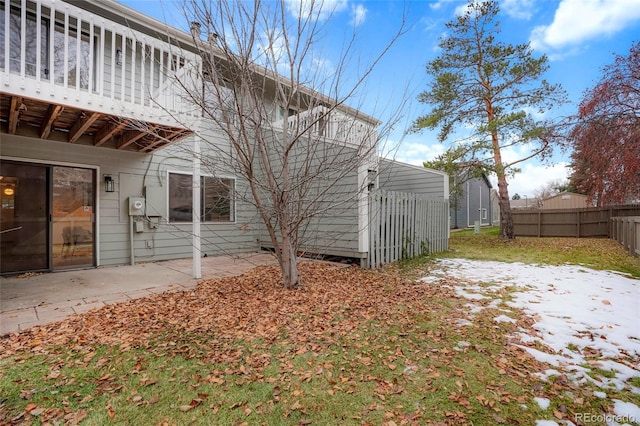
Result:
[[43, 298]]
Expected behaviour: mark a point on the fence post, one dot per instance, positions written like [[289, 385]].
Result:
[[539, 223], [578, 224], [610, 222]]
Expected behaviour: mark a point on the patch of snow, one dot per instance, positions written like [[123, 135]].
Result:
[[541, 356], [547, 373], [494, 304], [410, 369], [526, 338], [464, 344], [600, 394], [546, 423], [580, 313], [471, 296], [542, 402], [473, 308], [627, 411], [503, 318], [463, 322]]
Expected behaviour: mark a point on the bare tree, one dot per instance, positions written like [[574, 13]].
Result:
[[299, 151]]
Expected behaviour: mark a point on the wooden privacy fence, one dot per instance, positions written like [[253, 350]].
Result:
[[404, 225], [587, 222], [626, 230]]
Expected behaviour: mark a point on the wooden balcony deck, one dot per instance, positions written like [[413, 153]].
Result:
[[72, 75]]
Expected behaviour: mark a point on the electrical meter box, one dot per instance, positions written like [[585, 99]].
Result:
[[136, 206]]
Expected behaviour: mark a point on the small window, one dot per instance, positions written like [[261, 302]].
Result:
[[216, 198], [484, 214]]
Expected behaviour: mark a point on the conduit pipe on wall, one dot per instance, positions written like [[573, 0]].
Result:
[[131, 249]]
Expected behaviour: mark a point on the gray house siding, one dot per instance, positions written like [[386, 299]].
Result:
[[402, 177], [133, 172], [338, 230], [474, 204], [335, 226]]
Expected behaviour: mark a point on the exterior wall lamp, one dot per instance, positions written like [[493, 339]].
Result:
[[118, 56], [109, 184]]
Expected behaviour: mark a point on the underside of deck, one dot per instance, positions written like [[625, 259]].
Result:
[[50, 121]]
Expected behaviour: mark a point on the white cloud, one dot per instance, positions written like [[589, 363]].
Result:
[[533, 177], [320, 70], [437, 5], [417, 152], [429, 23], [320, 8], [576, 21], [518, 9], [358, 14], [415, 149], [462, 9]]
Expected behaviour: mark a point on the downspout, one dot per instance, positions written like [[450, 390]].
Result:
[[480, 208], [468, 209], [197, 259]]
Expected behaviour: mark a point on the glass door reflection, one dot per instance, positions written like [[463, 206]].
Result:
[[72, 213]]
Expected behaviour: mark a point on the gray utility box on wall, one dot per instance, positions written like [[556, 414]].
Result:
[[136, 206], [156, 197]]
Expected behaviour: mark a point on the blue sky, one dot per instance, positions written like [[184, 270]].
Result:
[[578, 36]]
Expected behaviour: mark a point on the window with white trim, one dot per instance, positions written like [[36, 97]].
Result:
[[484, 214], [216, 198]]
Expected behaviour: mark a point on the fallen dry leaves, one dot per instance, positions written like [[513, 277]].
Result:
[[333, 301]]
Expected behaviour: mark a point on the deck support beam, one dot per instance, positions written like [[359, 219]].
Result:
[[81, 125], [14, 114], [131, 136], [107, 131], [47, 123]]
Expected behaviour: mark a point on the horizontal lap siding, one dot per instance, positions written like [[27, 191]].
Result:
[[336, 230], [132, 171], [396, 176]]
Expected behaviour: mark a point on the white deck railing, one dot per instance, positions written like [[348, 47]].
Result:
[[57, 52], [332, 125]]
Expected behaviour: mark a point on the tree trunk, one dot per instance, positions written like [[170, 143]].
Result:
[[289, 263], [506, 218]]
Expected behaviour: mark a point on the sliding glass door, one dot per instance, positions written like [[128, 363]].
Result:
[[24, 225], [47, 217]]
